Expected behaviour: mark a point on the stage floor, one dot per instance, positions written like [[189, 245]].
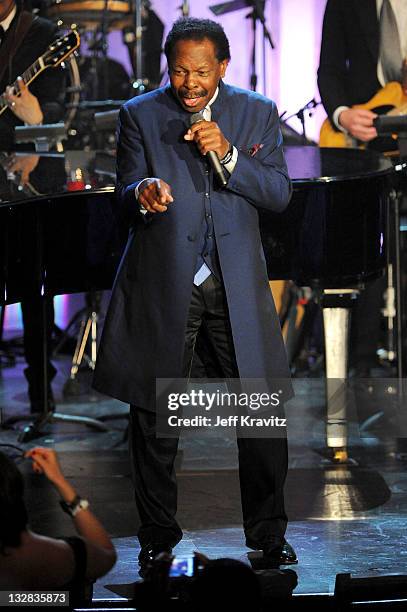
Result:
[[349, 518]]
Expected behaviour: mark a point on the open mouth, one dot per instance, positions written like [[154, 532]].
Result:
[[190, 102]]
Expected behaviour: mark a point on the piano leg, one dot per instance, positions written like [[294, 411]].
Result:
[[336, 305]]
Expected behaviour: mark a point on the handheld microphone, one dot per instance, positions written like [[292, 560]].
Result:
[[211, 155]]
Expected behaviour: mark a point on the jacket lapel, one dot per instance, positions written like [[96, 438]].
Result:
[[218, 105], [366, 11]]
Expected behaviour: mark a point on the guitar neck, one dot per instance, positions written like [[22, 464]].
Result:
[[56, 53], [28, 76]]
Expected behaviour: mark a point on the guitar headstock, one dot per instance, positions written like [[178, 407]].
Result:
[[61, 48]]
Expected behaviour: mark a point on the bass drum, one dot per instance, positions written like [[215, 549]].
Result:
[[73, 90], [88, 14]]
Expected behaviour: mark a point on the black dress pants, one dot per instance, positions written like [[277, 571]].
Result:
[[262, 461]]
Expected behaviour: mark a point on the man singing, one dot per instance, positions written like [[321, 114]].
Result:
[[194, 262]]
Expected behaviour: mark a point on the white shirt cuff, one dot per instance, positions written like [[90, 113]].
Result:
[[231, 165], [335, 118], [137, 193]]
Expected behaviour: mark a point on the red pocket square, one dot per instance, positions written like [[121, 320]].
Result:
[[254, 149]]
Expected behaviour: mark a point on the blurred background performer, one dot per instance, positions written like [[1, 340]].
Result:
[[24, 37], [362, 49]]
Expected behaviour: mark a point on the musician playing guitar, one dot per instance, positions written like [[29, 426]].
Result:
[[23, 38], [363, 46]]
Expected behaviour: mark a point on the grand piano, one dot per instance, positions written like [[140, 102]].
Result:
[[61, 233]]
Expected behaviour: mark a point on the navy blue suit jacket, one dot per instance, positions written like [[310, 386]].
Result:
[[143, 336]]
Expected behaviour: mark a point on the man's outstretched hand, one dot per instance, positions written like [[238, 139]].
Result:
[[155, 195]]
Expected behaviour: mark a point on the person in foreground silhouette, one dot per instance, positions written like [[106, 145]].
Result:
[[29, 561]]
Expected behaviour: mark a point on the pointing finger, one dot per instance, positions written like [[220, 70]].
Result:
[[163, 193]]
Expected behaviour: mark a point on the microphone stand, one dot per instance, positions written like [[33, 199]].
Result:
[[257, 14], [139, 43], [184, 8], [133, 39], [309, 106], [104, 45], [98, 47]]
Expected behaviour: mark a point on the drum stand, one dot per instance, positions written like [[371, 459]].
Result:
[[89, 316], [133, 39]]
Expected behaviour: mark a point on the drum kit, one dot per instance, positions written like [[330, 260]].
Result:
[[90, 75], [88, 14]]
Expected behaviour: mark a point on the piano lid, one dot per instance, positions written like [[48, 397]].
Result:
[[308, 165]]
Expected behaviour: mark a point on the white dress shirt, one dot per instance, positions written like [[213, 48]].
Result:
[[5, 24]]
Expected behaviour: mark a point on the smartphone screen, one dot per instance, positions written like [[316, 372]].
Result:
[[182, 567]]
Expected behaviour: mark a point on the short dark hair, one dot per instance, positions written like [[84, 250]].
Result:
[[191, 28], [13, 513]]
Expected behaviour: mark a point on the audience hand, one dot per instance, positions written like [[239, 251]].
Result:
[[45, 461]]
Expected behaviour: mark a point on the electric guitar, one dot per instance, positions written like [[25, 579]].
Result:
[[56, 53], [390, 100]]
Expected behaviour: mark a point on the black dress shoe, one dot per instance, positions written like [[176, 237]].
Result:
[[283, 555], [272, 556], [148, 553]]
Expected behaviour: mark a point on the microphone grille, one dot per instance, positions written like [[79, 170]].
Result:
[[195, 118]]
